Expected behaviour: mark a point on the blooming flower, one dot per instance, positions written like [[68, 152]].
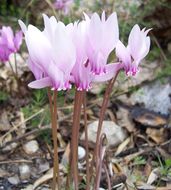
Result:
[[137, 48], [101, 38], [63, 5], [82, 74], [9, 43], [78, 53], [51, 54]]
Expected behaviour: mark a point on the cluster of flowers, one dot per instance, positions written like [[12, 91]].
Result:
[[9, 43], [77, 53]]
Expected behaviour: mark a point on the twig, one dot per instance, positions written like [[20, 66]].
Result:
[[52, 7], [15, 161], [158, 45], [16, 126]]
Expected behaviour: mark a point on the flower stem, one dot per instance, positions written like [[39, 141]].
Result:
[[75, 136], [53, 110], [16, 69], [108, 177], [12, 68], [102, 112], [101, 118], [99, 160], [86, 145]]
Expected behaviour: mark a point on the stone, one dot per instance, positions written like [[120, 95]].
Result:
[[81, 153], [4, 122], [114, 133], [31, 147], [25, 172], [29, 187], [10, 147], [154, 96], [14, 180], [97, 88], [42, 165]]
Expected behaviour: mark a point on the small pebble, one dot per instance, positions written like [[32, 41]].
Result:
[[81, 153], [14, 180], [10, 147], [31, 147], [114, 133], [25, 172]]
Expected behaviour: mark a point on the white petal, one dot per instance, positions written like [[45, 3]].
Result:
[[23, 26]]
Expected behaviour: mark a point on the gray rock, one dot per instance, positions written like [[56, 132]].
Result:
[[4, 122], [10, 147], [14, 180], [25, 172], [31, 147], [42, 165], [154, 96], [114, 133]]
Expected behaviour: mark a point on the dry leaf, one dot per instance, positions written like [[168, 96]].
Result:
[[157, 135], [124, 120], [153, 176], [122, 146], [44, 178]]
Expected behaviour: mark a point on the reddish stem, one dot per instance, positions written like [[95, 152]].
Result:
[[101, 118], [53, 111], [75, 136], [99, 160], [86, 145], [108, 177]]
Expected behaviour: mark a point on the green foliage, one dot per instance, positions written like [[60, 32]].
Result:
[[39, 97], [42, 118], [166, 69], [3, 96], [139, 160], [165, 168], [46, 136], [39, 100], [154, 54]]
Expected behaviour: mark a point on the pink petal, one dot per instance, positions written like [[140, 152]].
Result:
[[135, 41], [18, 40], [122, 53], [39, 47], [22, 26], [111, 71], [111, 31], [95, 32], [41, 83]]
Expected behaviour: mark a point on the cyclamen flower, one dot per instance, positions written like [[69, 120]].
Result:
[[101, 38], [51, 54], [9, 43], [63, 5], [137, 48], [82, 75]]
